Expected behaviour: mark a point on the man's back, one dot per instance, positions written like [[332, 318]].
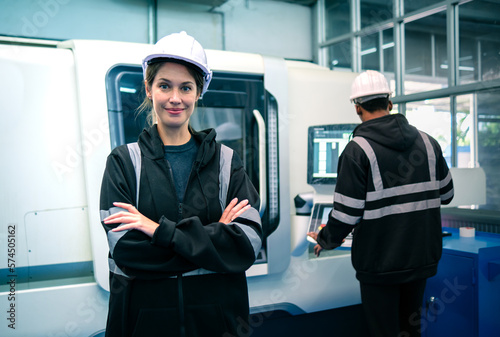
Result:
[[398, 178]]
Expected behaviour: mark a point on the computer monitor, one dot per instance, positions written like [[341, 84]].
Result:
[[325, 145]]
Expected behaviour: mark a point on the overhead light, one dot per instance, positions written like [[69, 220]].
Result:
[[388, 45], [368, 51], [464, 68]]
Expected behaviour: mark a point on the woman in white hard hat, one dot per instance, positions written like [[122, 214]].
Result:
[[179, 211], [392, 179]]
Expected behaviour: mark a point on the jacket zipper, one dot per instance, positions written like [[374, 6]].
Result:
[[179, 211]]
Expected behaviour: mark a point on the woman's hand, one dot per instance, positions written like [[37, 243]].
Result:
[[234, 210], [132, 219]]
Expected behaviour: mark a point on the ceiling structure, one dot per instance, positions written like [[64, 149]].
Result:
[[217, 3]]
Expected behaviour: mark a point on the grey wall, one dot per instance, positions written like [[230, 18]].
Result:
[[257, 26]]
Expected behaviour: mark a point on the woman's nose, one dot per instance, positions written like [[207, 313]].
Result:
[[175, 96]]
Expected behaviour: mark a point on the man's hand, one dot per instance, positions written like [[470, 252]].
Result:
[[317, 248]]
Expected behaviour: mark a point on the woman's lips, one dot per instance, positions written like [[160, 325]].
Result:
[[174, 111]]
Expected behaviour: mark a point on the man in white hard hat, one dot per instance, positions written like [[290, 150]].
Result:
[[392, 180]]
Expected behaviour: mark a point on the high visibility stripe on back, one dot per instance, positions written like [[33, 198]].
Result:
[[431, 155], [377, 178], [382, 193]]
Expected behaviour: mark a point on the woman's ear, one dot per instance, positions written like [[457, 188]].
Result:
[[148, 90]]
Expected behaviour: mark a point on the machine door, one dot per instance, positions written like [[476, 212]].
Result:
[[236, 106]]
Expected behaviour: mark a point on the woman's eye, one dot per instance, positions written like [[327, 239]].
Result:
[[163, 86], [186, 88]]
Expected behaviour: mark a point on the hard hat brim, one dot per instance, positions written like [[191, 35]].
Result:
[[364, 99], [207, 73]]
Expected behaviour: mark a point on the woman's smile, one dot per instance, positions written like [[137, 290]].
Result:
[[174, 111]]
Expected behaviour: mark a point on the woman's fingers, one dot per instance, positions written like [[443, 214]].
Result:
[[240, 206], [126, 206], [240, 212], [116, 217], [131, 218], [228, 209], [233, 210], [238, 209]]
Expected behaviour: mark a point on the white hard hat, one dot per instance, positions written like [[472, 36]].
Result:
[[181, 46], [369, 85]]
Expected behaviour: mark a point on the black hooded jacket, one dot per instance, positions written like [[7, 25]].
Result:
[[189, 278], [392, 179]]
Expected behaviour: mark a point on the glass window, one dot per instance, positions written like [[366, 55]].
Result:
[[479, 32], [464, 130], [339, 55], [412, 5], [388, 50], [426, 65], [433, 117], [337, 18], [374, 12], [489, 143], [370, 58]]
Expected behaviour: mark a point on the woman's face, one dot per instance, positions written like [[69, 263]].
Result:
[[174, 96]]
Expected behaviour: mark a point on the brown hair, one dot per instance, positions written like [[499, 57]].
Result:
[[151, 71]]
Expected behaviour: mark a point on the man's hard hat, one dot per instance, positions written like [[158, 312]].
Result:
[[369, 85], [181, 46]]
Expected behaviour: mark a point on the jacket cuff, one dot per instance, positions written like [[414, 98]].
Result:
[[328, 245], [164, 233]]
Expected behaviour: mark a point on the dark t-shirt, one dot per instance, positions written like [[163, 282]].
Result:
[[181, 159]]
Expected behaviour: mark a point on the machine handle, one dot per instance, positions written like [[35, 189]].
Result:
[[261, 126]]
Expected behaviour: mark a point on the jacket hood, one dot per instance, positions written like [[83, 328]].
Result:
[[152, 145], [392, 131]]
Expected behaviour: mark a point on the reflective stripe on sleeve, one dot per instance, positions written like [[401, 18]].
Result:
[[447, 195], [113, 237], [115, 269], [253, 215], [345, 218], [348, 201]]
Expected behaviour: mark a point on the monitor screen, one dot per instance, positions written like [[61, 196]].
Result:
[[325, 145]]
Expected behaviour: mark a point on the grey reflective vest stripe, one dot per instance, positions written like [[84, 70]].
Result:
[[381, 192], [135, 156], [226, 156]]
